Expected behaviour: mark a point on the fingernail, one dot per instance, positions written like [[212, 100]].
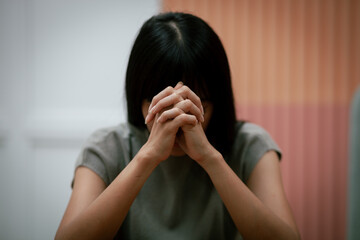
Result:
[[202, 118], [146, 119], [202, 109]]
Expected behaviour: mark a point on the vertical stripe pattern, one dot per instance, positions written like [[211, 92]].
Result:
[[295, 67]]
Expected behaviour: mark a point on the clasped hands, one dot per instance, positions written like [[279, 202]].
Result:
[[175, 119]]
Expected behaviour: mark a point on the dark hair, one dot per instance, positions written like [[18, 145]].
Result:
[[173, 47]]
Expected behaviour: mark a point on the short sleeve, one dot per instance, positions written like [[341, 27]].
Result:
[[251, 143], [104, 153], [91, 157]]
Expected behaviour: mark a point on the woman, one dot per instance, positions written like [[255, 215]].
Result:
[[182, 167]]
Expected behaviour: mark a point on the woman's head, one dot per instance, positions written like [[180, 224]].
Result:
[[173, 47]]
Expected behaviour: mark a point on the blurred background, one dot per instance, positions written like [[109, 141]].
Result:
[[295, 68]]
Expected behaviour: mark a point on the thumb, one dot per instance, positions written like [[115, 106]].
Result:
[[179, 85]]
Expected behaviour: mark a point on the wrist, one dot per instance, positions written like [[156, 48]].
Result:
[[152, 154], [210, 158], [147, 156]]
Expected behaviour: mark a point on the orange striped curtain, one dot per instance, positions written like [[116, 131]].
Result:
[[295, 66]]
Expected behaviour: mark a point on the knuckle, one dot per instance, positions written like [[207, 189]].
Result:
[[159, 102], [177, 111], [164, 115], [181, 116], [169, 90], [187, 104], [175, 96], [178, 92], [197, 99], [162, 102], [183, 90], [155, 98], [186, 88], [178, 97]]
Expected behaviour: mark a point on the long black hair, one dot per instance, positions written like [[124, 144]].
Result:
[[173, 47]]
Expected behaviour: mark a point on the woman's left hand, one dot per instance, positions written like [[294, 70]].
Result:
[[194, 143]]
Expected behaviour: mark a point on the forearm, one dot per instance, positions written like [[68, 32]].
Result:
[[251, 217], [104, 216]]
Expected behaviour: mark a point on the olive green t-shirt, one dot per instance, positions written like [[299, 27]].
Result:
[[178, 200]]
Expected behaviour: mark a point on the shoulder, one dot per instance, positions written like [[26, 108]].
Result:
[[250, 144], [116, 142], [107, 151], [119, 133], [250, 131], [102, 134]]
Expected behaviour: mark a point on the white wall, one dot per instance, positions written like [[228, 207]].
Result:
[[62, 68]]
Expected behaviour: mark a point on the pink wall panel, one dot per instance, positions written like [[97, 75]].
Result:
[[314, 142], [295, 67]]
